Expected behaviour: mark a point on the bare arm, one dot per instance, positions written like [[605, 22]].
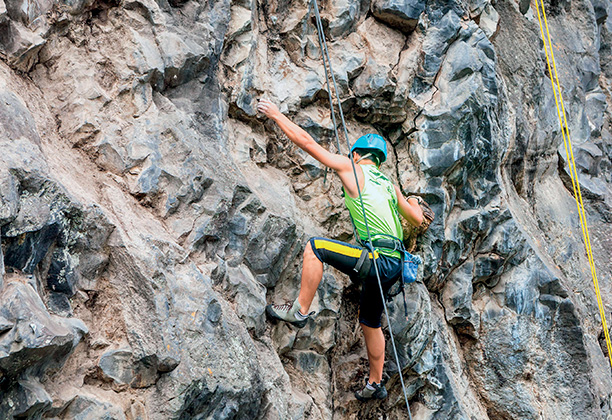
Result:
[[409, 209], [341, 164], [302, 139]]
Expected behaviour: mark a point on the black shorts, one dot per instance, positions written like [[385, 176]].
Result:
[[343, 257]]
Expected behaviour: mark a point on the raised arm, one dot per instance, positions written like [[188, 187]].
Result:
[[409, 209], [303, 140]]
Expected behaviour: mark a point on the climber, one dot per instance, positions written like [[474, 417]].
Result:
[[383, 204]]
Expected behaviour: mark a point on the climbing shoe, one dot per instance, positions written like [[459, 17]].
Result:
[[371, 391], [288, 312]]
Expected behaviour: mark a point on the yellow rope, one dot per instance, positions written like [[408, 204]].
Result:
[[573, 172]]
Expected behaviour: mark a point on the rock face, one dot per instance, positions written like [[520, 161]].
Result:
[[401, 14], [148, 214]]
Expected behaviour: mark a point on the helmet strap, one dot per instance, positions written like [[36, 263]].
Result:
[[367, 155]]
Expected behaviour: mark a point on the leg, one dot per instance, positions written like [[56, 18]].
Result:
[[371, 308], [318, 250], [375, 344], [312, 273]]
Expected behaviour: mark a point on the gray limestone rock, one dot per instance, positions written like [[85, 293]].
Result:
[[376, 83], [249, 296], [16, 121], [468, 82], [402, 14], [2, 272], [489, 21], [3, 12], [46, 233], [9, 198], [414, 332], [517, 365], [595, 109], [436, 42], [457, 300], [36, 339], [117, 365], [27, 399], [20, 45], [32, 342], [77, 7], [85, 407], [445, 395], [602, 10], [343, 16], [270, 248], [21, 11], [141, 193], [348, 60], [476, 7]]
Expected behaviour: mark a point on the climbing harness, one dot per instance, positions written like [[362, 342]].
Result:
[[556, 85], [326, 62]]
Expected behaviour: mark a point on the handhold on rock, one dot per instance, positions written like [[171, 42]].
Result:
[[89, 408], [3, 14], [37, 339], [25, 252], [167, 364], [5, 324], [117, 365], [26, 399], [489, 20], [402, 14], [145, 372], [21, 47], [120, 367]]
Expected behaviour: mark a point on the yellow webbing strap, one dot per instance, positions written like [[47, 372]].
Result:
[[570, 159]]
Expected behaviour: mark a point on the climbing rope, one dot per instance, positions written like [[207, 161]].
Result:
[[572, 164], [325, 55], [329, 92]]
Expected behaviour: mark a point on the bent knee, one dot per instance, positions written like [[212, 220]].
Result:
[[308, 248], [310, 251]]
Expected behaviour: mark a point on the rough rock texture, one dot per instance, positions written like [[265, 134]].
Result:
[[148, 214]]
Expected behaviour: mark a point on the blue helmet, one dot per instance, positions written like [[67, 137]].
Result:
[[372, 141]]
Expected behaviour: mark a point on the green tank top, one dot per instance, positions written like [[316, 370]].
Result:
[[380, 202]]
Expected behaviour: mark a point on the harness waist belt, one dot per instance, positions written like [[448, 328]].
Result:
[[387, 243]]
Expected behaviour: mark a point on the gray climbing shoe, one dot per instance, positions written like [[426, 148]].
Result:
[[287, 312], [379, 392]]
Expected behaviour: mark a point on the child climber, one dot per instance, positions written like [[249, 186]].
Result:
[[383, 203]]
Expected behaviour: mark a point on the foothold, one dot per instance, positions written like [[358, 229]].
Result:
[[5, 324], [117, 365], [403, 15], [167, 364], [213, 312]]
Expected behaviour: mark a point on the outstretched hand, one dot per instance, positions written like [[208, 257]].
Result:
[[267, 108]]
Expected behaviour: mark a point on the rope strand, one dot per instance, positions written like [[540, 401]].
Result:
[[325, 53], [567, 142]]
